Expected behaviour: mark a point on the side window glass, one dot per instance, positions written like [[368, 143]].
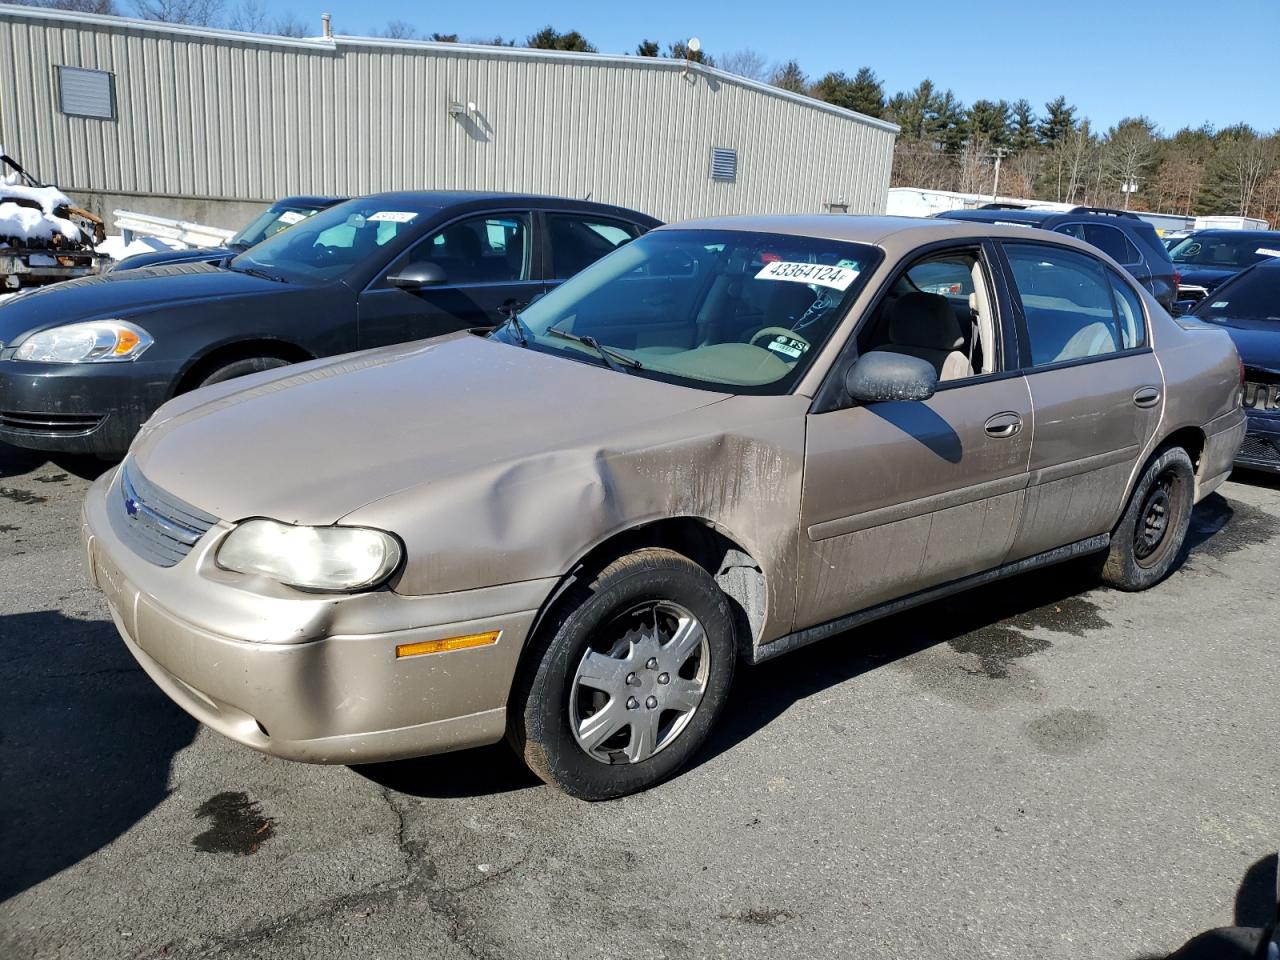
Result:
[[488, 249], [1067, 302], [1071, 230], [579, 241], [1129, 315], [1112, 242]]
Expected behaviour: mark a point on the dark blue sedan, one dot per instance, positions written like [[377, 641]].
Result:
[[1208, 257], [1248, 306], [84, 363]]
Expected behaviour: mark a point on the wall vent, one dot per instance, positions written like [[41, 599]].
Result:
[[724, 164], [86, 93]]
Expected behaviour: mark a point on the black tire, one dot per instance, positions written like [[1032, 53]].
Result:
[[240, 368], [594, 616], [1149, 537]]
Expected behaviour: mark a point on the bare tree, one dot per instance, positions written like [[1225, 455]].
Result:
[[107, 7], [249, 16], [1127, 153], [1247, 161], [398, 30], [973, 170], [746, 63], [288, 25], [198, 13]]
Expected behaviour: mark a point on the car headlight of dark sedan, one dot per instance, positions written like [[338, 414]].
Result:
[[98, 341], [343, 559]]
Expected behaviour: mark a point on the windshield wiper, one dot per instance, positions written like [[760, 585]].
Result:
[[509, 309], [255, 272], [618, 362]]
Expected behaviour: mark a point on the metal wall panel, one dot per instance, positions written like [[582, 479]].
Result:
[[216, 114]]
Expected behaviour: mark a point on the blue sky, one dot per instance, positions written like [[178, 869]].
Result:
[[1106, 56]]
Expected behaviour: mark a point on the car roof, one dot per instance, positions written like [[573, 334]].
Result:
[[988, 216], [856, 228], [433, 200], [308, 201], [1222, 232]]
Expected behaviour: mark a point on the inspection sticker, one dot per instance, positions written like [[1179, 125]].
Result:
[[1267, 252], [837, 278], [1219, 304], [291, 217], [392, 216], [788, 347]]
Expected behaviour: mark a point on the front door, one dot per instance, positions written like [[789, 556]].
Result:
[[1095, 385], [487, 261], [900, 496]]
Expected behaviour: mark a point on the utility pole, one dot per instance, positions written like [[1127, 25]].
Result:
[[995, 186], [1128, 188]]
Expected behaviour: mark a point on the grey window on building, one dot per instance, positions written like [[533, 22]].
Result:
[[86, 93], [724, 164]]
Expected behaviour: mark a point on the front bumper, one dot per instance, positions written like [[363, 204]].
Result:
[[1261, 447], [79, 407], [310, 677]]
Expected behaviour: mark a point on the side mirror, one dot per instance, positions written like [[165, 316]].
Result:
[[1182, 307], [881, 375], [415, 276]]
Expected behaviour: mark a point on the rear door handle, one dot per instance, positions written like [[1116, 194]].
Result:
[[1004, 425], [1146, 397]]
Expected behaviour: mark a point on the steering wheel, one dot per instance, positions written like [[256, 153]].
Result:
[[778, 331]]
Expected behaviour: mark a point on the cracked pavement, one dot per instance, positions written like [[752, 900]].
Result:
[[1039, 768]]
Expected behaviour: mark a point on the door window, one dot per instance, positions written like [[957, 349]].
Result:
[[1067, 301], [1129, 315], [579, 241], [1110, 240], [488, 249]]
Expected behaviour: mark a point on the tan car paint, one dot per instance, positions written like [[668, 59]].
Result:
[[501, 469]]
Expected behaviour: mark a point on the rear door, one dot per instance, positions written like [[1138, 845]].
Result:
[[488, 259], [1096, 390]]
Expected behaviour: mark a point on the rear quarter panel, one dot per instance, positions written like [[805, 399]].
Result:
[[1202, 390]]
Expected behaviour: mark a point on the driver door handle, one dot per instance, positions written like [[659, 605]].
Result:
[[1004, 425]]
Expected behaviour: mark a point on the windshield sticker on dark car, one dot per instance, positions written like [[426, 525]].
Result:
[[392, 216], [1267, 252], [291, 216], [837, 278]]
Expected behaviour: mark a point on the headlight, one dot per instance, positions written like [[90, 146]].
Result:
[[313, 558], [100, 341]]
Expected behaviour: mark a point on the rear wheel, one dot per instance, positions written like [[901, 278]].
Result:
[[1146, 544], [623, 684], [242, 367]]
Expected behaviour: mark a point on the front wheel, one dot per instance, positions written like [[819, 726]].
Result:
[[623, 684], [1146, 544]]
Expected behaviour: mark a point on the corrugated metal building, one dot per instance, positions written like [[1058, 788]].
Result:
[[192, 122]]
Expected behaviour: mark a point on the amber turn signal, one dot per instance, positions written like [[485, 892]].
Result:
[[423, 647]]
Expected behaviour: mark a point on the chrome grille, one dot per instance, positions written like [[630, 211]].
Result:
[[154, 524]]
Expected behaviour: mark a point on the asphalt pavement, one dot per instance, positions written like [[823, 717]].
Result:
[[1039, 769]]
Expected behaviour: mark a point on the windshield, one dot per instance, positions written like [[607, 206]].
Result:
[[1251, 296], [717, 309], [333, 242], [1228, 251], [270, 222]]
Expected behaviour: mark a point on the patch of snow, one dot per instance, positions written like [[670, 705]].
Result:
[[49, 198], [28, 223], [115, 247]]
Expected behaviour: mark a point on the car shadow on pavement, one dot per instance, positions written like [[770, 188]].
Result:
[[15, 461], [466, 773], [86, 740]]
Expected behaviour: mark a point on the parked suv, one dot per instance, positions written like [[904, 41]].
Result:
[[1208, 257], [1129, 240]]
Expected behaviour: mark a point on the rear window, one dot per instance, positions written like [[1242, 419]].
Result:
[[1251, 296]]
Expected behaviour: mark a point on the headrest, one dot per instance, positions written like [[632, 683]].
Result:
[[925, 320]]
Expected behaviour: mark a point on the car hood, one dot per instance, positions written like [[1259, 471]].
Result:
[[122, 295], [315, 442], [1257, 341], [1207, 277], [157, 258]]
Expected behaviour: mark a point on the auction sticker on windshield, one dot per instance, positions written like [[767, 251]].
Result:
[[291, 217], [837, 278], [1267, 252], [392, 216]]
